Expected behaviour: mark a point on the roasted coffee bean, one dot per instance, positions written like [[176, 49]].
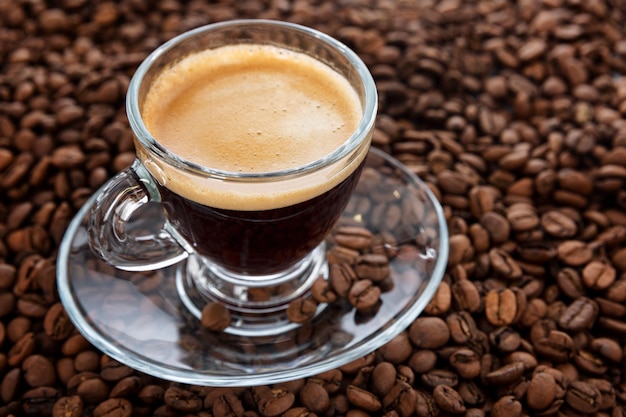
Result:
[[301, 310], [364, 295], [504, 307], [114, 407], [275, 402], [583, 397], [466, 296], [363, 399], [541, 391], [227, 405], [448, 399], [466, 362], [314, 397], [68, 407], [39, 401], [342, 276], [38, 371], [429, 332], [374, 267], [354, 237], [579, 315]]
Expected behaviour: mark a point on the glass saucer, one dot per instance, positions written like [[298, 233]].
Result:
[[143, 319]]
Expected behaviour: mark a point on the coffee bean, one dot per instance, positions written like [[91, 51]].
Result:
[[579, 315], [598, 275], [226, 405], [448, 399], [275, 402], [68, 407], [301, 310], [574, 252], [354, 237], [39, 401], [38, 371], [364, 295], [363, 399], [113, 407], [314, 397], [504, 307], [583, 397], [429, 332], [374, 267]]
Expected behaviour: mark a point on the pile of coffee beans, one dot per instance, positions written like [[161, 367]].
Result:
[[513, 113]]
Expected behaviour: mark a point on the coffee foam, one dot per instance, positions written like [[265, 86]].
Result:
[[251, 108]]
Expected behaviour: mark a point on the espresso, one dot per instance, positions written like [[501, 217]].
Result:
[[254, 109], [251, 109]]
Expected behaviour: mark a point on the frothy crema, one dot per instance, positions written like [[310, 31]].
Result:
[[253, 109]]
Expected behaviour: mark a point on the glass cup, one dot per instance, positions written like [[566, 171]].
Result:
[[254, 260]]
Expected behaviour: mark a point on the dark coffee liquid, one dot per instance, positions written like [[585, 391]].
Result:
[[258, 242]]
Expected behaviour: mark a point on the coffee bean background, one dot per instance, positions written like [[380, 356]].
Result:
[[512, 112]]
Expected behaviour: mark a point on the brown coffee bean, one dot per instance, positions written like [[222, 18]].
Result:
[[92, 390], [579, 315], [342, 276], [56, 323], [570, 282], [126, 387], [462, 327], [354, 237], [71, 406], [505, 374], [301, 310], [541, 391], [113, 370], [522, 217], [364, 295], [607, 348], [383, 378], [227, 405], [21, 349], [504, 307], [374, 267], [466, 362], [598, 275], [423, 361], [314, 397], [574, 252], [401, 400], [114, 407], [275, 402], [38, 371], [461, 249], [507, 406], [505, 339], [441, 301], [429, 332], [426, 405], [504, 264], [363, 399], [583, 397], [448, 399], [466, 296], [39, 401], [322, 291], [440, 377], [182, 400], [556, 345]]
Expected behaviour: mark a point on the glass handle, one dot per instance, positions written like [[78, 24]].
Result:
[[127, 225]]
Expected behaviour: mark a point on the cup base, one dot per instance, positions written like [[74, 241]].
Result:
[[258, 309], [151, 321]]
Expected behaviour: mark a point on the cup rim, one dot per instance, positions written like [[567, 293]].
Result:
[[150, 143]]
